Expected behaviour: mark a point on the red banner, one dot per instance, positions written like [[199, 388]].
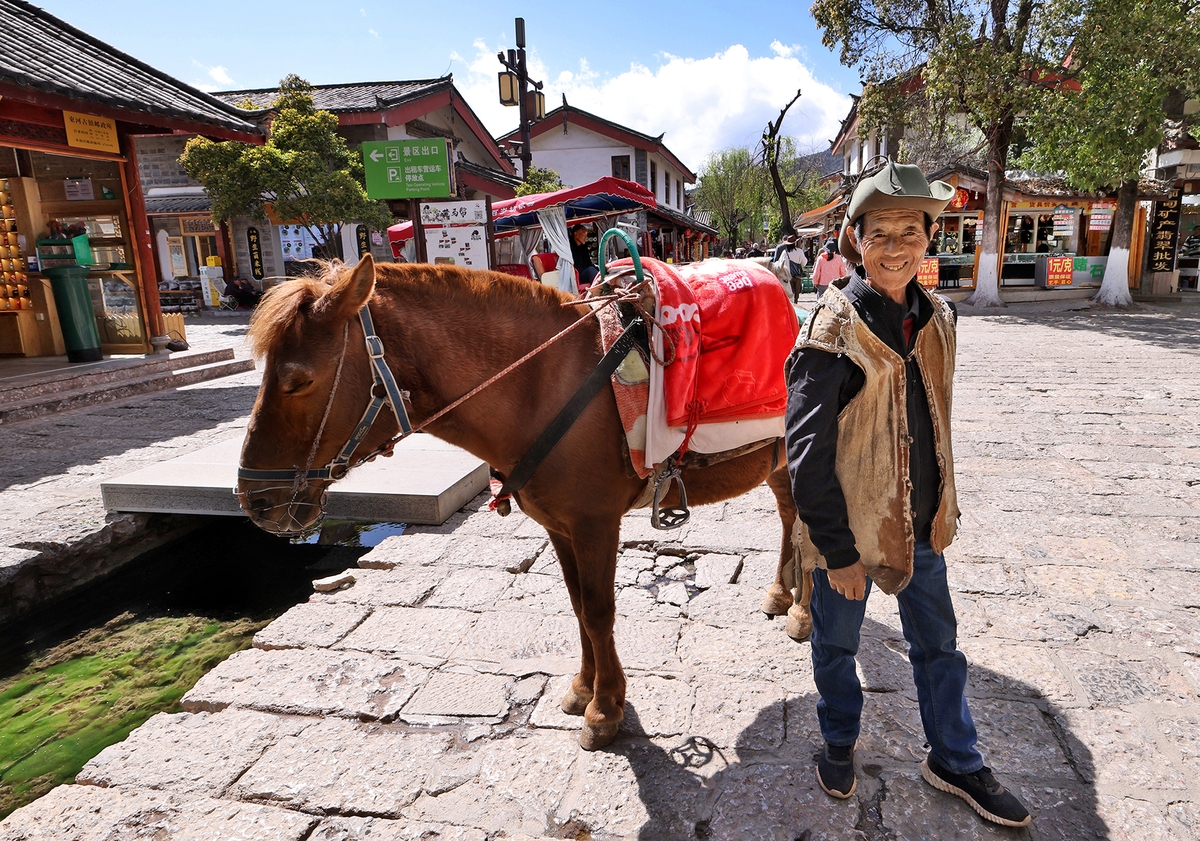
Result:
[[1058, 271], [927, 273]]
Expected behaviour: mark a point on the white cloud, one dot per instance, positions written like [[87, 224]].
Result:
[[701, 104], [373, 33], [218, 74]]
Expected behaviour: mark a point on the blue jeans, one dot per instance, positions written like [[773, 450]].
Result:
[[939, 668]]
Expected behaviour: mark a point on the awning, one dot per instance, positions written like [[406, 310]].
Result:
[[820, 214], [603, 197]]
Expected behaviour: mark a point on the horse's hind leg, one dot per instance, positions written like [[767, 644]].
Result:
[[779, 594], [579, 695], [780, 598]]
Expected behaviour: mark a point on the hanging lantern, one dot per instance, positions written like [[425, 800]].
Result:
[[509, 92], [539, 105]]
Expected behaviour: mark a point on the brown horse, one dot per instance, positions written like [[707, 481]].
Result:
[[445, 330]]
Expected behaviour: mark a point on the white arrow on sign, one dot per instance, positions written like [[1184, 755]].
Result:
[[375, 156]]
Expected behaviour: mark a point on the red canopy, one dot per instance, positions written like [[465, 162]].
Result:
[[602, 197]]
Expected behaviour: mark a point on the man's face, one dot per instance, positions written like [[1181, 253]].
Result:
[[580, 236], [892, 247]]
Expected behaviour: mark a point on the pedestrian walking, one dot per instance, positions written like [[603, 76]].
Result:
[[868, 441], [790, 248], [828, 267]]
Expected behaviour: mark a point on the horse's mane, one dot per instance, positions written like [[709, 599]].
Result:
[[278, 308]]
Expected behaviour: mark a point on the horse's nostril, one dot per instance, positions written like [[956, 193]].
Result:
[[260, 505]]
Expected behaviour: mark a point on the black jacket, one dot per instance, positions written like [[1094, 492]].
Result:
[[820, 384]]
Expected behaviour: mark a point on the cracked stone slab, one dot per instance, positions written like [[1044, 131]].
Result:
[[423, 635], [471, 589], [401, 586], [91, 813], [639, 788], [728, 606], [752, 652], [339, 766], [779, 802], [454, 694], [411, 548], [1116, 681], [647, 644], [477, 551], [188, 753], [314, 623], [381, 829], [302, 682], [520, 643], [1112, 747], [713, 569], [1002, 668], [510, 786], [739, 715]]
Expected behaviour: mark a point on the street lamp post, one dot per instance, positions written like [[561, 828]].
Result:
[[514, 90]]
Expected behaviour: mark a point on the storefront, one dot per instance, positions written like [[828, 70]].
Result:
[[69, 183]]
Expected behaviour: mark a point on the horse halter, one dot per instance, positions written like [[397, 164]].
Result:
[[384, 391]]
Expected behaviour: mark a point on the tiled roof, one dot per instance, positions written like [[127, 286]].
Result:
[[355, 96], [178, 204], [494, 175], [46, 54]]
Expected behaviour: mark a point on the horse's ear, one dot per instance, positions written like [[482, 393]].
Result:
[[351, 291]]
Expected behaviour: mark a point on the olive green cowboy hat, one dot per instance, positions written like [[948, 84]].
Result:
[[896, 186]]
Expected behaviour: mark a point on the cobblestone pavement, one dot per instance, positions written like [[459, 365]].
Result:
[[421, 702], [54, 525]]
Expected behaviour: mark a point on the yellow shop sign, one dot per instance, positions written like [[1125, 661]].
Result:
[[86, 131]]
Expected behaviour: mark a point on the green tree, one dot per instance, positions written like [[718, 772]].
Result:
[[732, 187], [305, 170], [540, 180], [1130, 61], [976, 59]]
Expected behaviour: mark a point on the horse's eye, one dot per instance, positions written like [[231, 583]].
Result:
[[296, 386]]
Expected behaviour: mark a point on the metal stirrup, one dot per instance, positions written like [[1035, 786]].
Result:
[[674, 516]]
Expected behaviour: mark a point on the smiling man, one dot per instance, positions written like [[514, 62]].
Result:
[[868, 438]]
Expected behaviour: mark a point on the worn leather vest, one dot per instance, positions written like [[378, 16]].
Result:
[[872, 451]]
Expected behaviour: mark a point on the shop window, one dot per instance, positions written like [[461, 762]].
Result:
[[654, 178], [666, 188], [678, 194], [1019, 238], [620, 166]]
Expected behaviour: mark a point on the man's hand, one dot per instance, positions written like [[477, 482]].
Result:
[[850, 582]]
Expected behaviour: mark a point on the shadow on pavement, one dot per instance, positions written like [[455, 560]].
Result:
[[765, 787]]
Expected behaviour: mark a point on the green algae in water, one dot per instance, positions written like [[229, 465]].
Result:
[[91, 692], [92, 667]]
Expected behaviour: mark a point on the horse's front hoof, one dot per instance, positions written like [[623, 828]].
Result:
[[778, 601], [575, 702], [596, 736], [799, 623]]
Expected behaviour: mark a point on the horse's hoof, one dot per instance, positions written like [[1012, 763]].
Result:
[[596, 736], [575, 703], [799, 623], [778, 601]]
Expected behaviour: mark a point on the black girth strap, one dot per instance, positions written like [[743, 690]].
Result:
[[570, 413]]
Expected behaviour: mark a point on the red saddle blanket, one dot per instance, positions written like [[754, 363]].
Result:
[[732, 327]]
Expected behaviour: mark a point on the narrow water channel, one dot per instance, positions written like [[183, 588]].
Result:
[[83, 672]]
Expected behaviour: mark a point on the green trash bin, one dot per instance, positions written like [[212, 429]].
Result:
[[75, 313]]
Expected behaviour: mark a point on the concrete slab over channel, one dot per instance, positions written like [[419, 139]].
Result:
[[425, 482]]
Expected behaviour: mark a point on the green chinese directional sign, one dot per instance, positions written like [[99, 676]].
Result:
[[408, 169]]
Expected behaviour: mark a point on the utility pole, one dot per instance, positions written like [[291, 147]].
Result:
[[515, 90]]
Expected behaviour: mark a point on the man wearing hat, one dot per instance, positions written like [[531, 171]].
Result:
[[790, 246], [868, 439]]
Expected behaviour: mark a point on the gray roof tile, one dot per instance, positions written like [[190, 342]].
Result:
[[47, 54], [353, 96]]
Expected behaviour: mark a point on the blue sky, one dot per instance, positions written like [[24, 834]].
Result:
[[708, 74]]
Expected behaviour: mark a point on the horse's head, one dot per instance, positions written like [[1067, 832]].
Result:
[[316, 382]]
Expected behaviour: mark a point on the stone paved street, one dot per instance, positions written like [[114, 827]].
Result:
[[422, 701]]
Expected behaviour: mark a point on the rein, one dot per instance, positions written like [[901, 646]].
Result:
[[386, 392]]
